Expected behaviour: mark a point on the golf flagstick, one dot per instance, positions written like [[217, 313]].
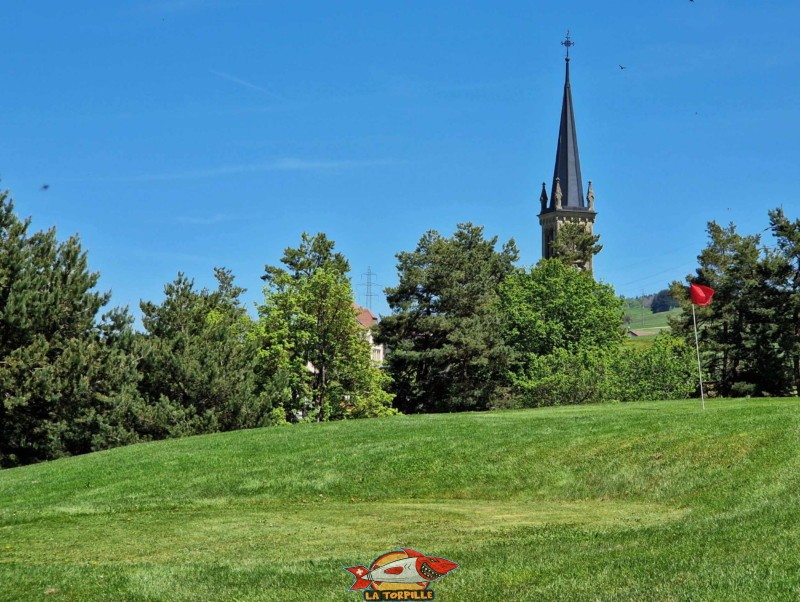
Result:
[[699, 295], [699, 368]]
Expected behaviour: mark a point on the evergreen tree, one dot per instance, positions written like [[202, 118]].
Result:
[[728, 264], [785, 264], [314, 252], [663, 301], [315, 357], [198, 363], [575, 245], [445, 339], [747, 334], [62, 373]]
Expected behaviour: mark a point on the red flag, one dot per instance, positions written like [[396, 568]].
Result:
[[701, 295]]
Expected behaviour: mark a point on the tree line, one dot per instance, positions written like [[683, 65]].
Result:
[[77, 377], [469, 329]]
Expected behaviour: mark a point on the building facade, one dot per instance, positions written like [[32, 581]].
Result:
[[368, 321]]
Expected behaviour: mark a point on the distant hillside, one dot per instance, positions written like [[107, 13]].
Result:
[[658, 501], [638, 315]]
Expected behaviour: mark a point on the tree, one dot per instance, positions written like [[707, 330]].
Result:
[[445, 340], [785, 271], [553, 306], [746, 333], [562, 378], [663, 301], [575, 245], [199, 354], [560, 324], [665, 369], [63, 369], [314, 252], [315, 358]]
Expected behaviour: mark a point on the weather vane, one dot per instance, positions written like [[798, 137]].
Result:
[[568, 43]]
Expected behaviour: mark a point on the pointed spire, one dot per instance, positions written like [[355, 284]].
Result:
[[543, 197], [568, 165]]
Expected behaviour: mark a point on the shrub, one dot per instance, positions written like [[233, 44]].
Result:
[[663, 370], [564, 378]]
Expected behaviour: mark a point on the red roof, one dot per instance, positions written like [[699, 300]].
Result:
[[365, 317]]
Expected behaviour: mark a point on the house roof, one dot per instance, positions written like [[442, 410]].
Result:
[[365, 317], [641, 333]]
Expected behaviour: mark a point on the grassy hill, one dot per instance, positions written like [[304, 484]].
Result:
[[658, 501], [642, 318]]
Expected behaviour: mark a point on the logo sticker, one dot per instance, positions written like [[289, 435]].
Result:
[[400, 575]]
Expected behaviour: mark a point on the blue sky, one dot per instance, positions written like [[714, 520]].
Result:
[[178, 135]]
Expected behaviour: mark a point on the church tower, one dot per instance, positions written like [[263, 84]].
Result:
[[566, 202]]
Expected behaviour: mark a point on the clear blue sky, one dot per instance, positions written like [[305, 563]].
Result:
[[178, 135]]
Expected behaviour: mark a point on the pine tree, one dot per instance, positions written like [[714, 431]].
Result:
[[574, 245], [748, 334], [786, 270], [446, 349], [199, 355], [62, 372]]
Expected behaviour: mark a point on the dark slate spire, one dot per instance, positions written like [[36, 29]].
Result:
[[543, 197], [568, 165]]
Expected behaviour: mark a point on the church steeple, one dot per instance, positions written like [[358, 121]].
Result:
[[567, 202], [568, 164]]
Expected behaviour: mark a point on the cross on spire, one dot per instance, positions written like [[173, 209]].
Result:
[[568, 43]]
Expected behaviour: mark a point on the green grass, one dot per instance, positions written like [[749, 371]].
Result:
[[647, 320], [657, 501]]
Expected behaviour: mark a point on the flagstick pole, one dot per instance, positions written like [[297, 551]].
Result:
[[699, 368]]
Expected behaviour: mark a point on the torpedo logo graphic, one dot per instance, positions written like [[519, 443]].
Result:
[[400, 575]]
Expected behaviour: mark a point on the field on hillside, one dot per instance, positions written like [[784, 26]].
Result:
[[653, 501], [643, 321], [639, 318]]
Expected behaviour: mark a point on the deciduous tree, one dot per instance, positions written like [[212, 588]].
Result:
[[560, 324], [315, 357]]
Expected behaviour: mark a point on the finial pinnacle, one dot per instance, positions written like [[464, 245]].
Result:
[[568, 43], [557, 194]]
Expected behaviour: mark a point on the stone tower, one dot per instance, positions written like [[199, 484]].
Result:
[[566, 202]]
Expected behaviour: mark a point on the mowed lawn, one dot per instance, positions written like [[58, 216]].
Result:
[[643, 501]]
